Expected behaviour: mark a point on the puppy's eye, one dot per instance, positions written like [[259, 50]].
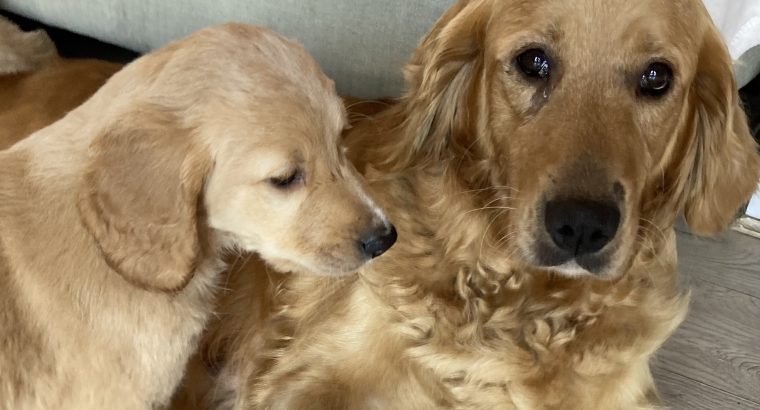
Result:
[[288, 180], [656, 80], [534, 64]]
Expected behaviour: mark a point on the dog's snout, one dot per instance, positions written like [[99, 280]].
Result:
[[378, 241], [581, 227]]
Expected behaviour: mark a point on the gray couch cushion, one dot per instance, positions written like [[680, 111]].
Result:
[[748, 67], [362, 44]]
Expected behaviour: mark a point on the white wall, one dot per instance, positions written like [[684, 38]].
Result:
[[754, 206], [739, 21]]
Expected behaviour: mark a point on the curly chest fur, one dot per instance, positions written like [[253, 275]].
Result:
[[533, 341], [487, 335]]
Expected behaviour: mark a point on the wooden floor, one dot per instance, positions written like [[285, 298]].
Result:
[[713, 361]]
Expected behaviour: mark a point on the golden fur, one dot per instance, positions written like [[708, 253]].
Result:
[[23, 51], [115, 220], [459, 315], [37, 87]]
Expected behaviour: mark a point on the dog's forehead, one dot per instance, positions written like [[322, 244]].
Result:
[[607, 13], [594, 26], [291, 127]]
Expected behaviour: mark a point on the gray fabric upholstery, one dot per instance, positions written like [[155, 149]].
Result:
[[748, 67], [362, 44]]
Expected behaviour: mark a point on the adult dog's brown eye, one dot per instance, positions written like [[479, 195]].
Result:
[[656, 80], [287, 181], [534, 64]]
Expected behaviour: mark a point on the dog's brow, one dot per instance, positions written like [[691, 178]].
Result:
[[554, 33]]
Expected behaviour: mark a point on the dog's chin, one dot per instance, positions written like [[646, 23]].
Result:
[[569, 267], [322, 265], [573, 269], [313, 268]]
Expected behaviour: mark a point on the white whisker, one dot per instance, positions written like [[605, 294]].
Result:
[[485, 208]]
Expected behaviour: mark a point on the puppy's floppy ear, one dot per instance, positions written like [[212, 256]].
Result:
[[440, 80], [726, 167], [141, 198]]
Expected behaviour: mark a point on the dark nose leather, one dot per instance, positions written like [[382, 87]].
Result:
[[378, 241], [581, 227]]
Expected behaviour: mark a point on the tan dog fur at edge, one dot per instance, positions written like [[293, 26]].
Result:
[[23, 51], [37, 87], [115, 219], [462, 313]]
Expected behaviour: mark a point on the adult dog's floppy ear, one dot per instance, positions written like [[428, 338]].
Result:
[[141, 195], [440, 80], [726, 167]]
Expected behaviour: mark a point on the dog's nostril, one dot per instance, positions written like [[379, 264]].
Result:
[[378, 241], [566, 231], [579, 226], [598, 236]]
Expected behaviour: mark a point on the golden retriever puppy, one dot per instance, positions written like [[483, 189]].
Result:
[[115, 219], [37, 87], [534, 169]]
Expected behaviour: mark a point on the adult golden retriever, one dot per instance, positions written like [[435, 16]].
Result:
[[38, 87], [114, 220], [535, 169]]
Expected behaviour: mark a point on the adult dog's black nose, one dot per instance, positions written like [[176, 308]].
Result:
[[580, 226], [378, 241]]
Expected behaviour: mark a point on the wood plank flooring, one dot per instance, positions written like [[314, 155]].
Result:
[[713, 360]]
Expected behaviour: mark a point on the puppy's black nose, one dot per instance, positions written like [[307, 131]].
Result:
[[580, 226], [378, 241]]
